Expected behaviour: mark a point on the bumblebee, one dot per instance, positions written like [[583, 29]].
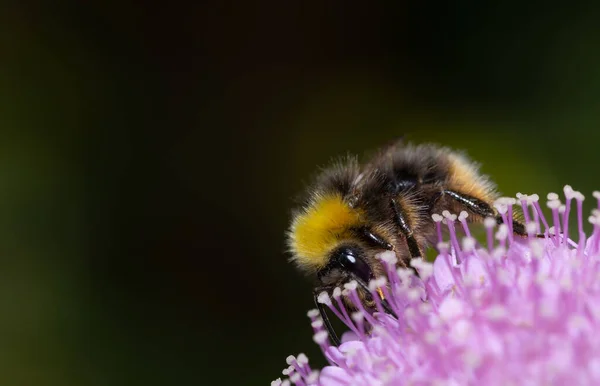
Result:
[[353, 212]]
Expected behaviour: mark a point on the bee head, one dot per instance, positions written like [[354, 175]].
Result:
[[346, 262]]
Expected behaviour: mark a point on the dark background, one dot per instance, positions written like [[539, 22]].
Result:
[[150, 154]]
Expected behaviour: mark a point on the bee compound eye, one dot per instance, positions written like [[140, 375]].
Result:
[[350, 259]]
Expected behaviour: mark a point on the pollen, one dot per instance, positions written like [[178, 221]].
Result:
[[319, 228]]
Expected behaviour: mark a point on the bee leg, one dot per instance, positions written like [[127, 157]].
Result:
[[413, 246], [373, 238], [323, 311], [483, 209]]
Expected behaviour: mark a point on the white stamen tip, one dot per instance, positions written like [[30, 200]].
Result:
[[533, 198], [317, 324], [295, 378], [502, 233], [388, 257], [436, 217], [537, 249], [290, 359], [552, 196], [351, 286], [337, 292], [596, 194], [286, 382], [357, 316], [424, 268], [501, 207], [312, 313], [499, 252], [320, 337], [377, 283], [553, 204], [489, 222], [276, 382], [468, 244], [521, 196], [323, 298], [561, 209], [551, 230], [313, 377], [302, 359], [463, 216], [496, 312], [443, 246], [449, 216], [568, 190], [578, 196], [531, 227]]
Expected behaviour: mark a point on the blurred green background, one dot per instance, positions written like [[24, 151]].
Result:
[[150, 154]]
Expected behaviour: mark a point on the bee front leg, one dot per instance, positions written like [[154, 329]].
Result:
[[401, 221], [323, 311]]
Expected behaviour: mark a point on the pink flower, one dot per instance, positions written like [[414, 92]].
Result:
[[513, 312]]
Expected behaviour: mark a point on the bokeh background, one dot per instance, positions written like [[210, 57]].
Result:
[[150, 153]]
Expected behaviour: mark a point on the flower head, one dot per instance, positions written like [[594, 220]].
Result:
[[513, 311]]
